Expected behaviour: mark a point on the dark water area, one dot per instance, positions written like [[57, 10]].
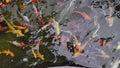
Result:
[[79, 33]]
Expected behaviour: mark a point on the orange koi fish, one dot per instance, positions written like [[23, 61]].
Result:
[[8, 52], [85, 15], [56, 25], [78, 50]]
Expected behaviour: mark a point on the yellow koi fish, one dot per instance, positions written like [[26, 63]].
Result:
[[40, 55], [56, 24], [19, 27], [13, 30], [34, 54]]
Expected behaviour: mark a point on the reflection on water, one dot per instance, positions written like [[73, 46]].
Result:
[[89, 30]]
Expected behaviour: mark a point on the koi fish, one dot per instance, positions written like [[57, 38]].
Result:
[[18, 27], [105, 56], [85, 15], [13, 30], [78, 50], [18, 44], [7, 52], [44, 27], [110, 18], [38, 15], [24, 17], [36, 12], [40, 55], [33, 52], [102, 42], [56, 25]]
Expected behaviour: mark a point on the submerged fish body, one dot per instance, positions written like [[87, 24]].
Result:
[[56, 25], [18, 31], [84, 14], [7, 52]]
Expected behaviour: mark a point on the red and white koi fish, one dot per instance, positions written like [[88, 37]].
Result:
[[36, 12], [25, 24], [18, 44], [84, 14], [7, 52], [38, 15], [44, 27]]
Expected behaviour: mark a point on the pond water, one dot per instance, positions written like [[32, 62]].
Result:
[[81, 33]]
